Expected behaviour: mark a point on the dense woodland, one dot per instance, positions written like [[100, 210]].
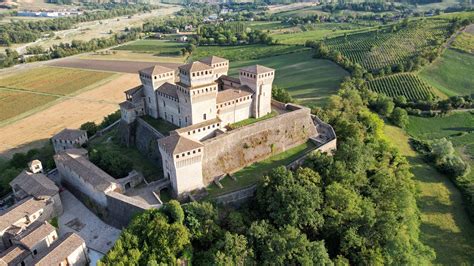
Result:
[[356, 207]]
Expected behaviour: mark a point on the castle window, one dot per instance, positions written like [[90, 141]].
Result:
[[194, 151], [189, 153], [194, 131], [183, 154], [177, 156], [189, 133], [199, 150], [194, 74], [155, 77]]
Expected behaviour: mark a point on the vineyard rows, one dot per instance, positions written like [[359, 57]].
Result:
[[377, 49], [406, 84]]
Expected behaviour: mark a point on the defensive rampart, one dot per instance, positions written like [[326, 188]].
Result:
[[235, 149]]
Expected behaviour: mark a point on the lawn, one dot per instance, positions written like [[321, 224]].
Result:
[[53, 80], [309, 80], [159, 47], [445, 226], [253, 173], [252, 120], [244, 52], [109, 141], [161, 125], [452, 73], [14, 103]]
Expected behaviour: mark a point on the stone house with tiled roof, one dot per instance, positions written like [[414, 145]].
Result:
[[39, 244], [69, 139]]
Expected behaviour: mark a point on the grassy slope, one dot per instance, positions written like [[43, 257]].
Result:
[[153, 46], [310, 80], [452, 73], [445, 225]]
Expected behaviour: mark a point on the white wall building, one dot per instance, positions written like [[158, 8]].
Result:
[[201, 100]]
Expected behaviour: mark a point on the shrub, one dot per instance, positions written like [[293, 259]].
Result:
[[399, 117]]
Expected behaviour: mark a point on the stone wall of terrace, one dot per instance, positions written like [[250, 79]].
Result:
[[235, 149]]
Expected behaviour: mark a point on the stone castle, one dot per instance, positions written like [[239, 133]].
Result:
[[202, 101]]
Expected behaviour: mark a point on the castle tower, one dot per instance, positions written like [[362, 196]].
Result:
[[182, 162], [259, 79], [197, 93], [152, 78], [219, 64]]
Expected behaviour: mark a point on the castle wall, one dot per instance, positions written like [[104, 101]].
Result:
[[76, 182], [122, 208], [233, 150], [146, 141]]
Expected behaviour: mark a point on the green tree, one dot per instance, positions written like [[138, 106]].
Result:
[[399, 117]]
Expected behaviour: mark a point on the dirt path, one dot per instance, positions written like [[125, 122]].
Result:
[[34, 130]]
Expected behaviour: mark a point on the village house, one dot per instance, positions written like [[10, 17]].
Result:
[[69, 139], [20, 216], [69, 250]]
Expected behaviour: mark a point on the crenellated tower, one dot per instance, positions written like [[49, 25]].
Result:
[[259, 79], [152, 78], [197, 92]]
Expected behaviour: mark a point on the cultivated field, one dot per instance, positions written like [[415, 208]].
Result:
[[92, 105], [377, 49], [25, 91], [244, 52], [317, 33], [452, 73], [58, 81], [464, 42], [309, 80], [156, 47], [404, 84]]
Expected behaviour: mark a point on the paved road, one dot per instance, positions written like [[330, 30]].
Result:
[[77, 218]]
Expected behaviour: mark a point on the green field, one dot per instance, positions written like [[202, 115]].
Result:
[[266, 25], [452, 73], [316, 32], [251, 174], [404, 84], [445, 225], [14, 103], [158, 47], [244, 52], [309, 80], [464, 42], [381, 48], [57, 81]]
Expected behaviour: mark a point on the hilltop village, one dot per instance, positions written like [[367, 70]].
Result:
[[204, 104]]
